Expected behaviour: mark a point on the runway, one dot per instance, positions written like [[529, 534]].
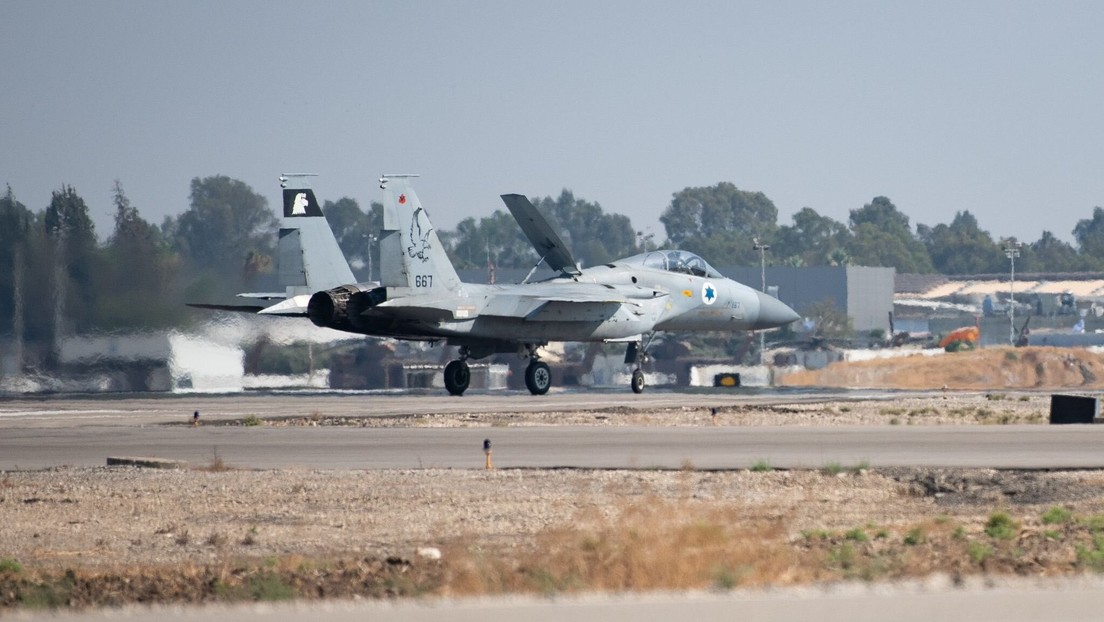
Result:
[[154, 409], [57, 433], [1011, 601]]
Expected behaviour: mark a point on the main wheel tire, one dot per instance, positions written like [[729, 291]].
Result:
[[637, 383], [538, 377], [457, 377]]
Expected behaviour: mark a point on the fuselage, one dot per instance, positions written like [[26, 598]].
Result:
[[613, 301]]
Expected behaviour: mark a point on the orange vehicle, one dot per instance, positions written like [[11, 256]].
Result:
[[965, 338]]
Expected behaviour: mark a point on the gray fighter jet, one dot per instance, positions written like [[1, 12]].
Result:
[[420, 297]]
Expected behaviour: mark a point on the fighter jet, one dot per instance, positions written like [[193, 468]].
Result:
[[420, 297]]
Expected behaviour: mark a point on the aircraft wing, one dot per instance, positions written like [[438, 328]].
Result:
[[576, 307], [544, 239]]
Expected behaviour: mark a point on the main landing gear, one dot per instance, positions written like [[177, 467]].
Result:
[[538, 376], [457, 374]]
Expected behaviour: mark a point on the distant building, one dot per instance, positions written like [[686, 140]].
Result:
[[1046, 309], [865, 294]]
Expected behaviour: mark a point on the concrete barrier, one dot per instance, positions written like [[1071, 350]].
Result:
[[1073, 409]]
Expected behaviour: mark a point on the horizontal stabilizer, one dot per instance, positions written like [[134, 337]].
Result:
[[544, 239], [234, 308], [264, 295], [296, 306]]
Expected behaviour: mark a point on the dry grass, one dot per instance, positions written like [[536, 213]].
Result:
[[649, 545], [216, 465], [1024, 368]]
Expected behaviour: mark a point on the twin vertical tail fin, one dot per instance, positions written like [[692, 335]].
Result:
[[411, 254], [308, 255]]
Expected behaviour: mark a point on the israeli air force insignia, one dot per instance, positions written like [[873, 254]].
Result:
[[709, 293]]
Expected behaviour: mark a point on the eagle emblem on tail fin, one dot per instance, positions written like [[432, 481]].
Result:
[[419, 241]]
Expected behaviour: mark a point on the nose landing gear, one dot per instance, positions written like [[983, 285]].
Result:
[[637, 354]]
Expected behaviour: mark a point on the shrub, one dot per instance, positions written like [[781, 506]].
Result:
[[761, 466], [915, 536], [1057, 515], [10, 565], [843, 555], [979, 551], [857, 535], [1001, 526]]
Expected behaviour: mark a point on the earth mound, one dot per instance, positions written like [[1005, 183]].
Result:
[[984, 369]]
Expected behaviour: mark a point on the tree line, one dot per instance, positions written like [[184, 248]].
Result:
[[57, 275]]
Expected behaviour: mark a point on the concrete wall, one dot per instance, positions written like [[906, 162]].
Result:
[[870, 297]]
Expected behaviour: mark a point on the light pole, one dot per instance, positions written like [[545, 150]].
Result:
[[762, 248], [1011, 250]]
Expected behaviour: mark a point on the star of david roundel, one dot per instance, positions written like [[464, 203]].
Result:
[[708, 293]]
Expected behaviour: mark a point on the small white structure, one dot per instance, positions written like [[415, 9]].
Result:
[[154, 362], [750, 375]]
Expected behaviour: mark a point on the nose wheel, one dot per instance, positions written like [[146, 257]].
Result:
[[637, 354], [538, 377], [457, 377]]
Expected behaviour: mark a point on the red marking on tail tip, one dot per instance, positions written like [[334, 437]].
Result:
[[402, 199]]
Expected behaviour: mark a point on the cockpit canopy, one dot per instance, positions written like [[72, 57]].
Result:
[[683, 262]]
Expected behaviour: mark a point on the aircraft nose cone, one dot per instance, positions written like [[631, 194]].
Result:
[[773, 313]]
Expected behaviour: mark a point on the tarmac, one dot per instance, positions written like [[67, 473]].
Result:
[[44, 433]]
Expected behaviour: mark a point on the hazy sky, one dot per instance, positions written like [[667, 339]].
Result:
[[995, 107]]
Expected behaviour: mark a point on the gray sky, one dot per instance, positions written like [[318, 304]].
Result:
[[995, 107]]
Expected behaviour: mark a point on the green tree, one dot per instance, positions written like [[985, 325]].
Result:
[[1049, 254], [73, 244], [962, 247], [831, 321], [17, 225], [1089, 234], [812, 240], [593, 236], [882, 236], [720, 221], [225, 227], [356, 232], [140, 273], [496, 239]]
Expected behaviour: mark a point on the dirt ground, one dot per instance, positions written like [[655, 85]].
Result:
[[110, 536], [984, 369], [84, 537]]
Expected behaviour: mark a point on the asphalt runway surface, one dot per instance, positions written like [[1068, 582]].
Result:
[[1071, 600], [43, 433], [38, 434], [146, 409]]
